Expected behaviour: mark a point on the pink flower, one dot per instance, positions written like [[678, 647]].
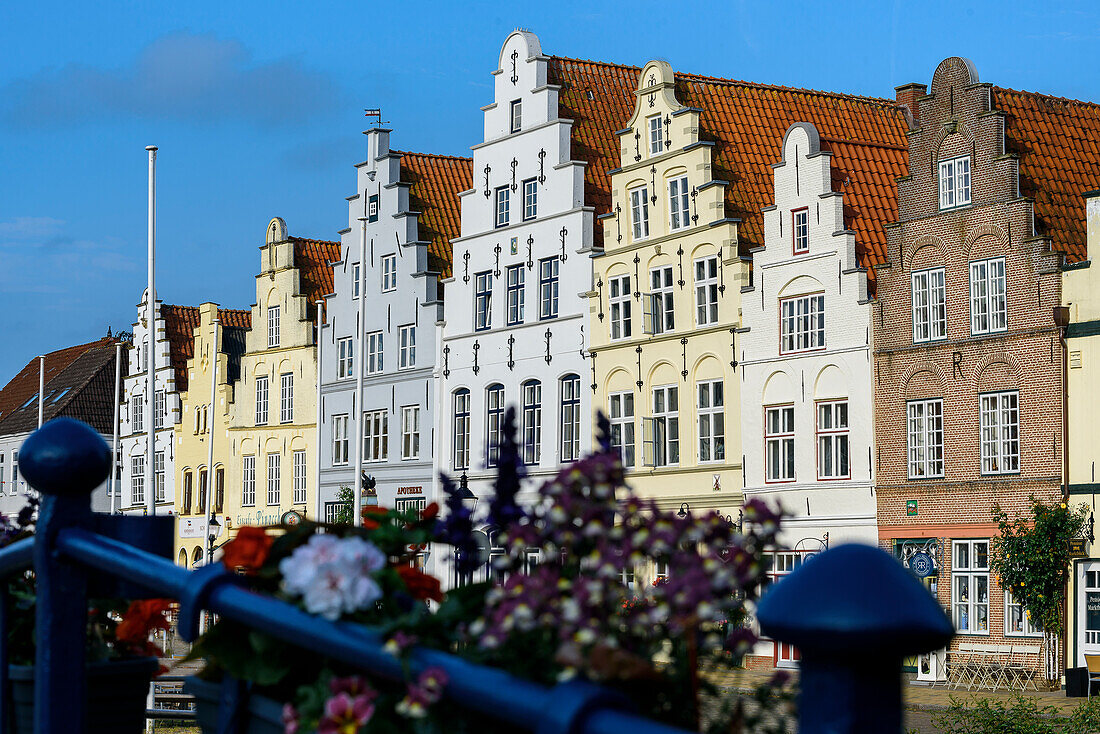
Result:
[[290, 719], [427, 690], [344, 714]]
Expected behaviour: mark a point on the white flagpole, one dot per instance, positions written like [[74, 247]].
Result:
[[151, 332], [318, 504], [357, 508], [41, 386], [210, 446], [112, 485]]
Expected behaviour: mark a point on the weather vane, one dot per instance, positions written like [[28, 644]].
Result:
[[375, 112]]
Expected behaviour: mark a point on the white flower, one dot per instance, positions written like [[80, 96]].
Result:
[[333, 575]]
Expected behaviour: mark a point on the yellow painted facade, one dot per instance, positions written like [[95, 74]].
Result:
[[1081, 294], [665, 306]]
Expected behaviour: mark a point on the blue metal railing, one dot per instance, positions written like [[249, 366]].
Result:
[[65, 460]]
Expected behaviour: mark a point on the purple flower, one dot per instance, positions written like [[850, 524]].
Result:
[[345, 714]]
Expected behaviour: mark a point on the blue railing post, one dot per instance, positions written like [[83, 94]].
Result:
[[65, 460], [854, 613]]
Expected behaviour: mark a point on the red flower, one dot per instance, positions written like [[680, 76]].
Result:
[[248, 550], [431, 512], [370, 512], [139, 621], [420, 584]]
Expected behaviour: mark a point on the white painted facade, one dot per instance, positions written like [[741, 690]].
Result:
[[14, 489], [524, 150], [809, 259]]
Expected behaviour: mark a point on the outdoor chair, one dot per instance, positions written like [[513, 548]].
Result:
[[1092, 662]]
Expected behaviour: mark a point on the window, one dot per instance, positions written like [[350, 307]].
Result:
[[955, 182], [219, 489], [483, 300], [832, 440], [494, 423], [188, 487], [248, 481], [656, 144], [530, 199], [261, 400], [345, 360], [462, 429], [389, 273], [410, 432], [1000, 426], [137, 480], [622, 426], [274, 464], [639, 211], [800, 228], [15, 472], [662, 316], [158, 476], [661, 442], [337, 512], [340, 439], [202, 493], [970, 586], [159, 409], [2, 482], [286, 398], [548, 287], [929, 305], [137, 413], [779, 443], [678, 202], [925, 419], [802, 326], [517, 115], [376, 435], [712, 421], [299, 477], [406, 355], [411, 504], [706, 291], [1017, 620], [988, 306], [532, 421], [620, 306], [355, 281], [272, 326], [570, 418], [516, 277], [374, 353], [372, 208], [502, 206]]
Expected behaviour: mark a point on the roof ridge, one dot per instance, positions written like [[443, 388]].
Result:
[[886, 101], [431, 155], [295, 238], [1052, 97], [77, 389]]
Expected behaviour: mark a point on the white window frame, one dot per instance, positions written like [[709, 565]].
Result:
[[158, 476], [274, 478], [355, 281], [530, 199], [376, 435], [502, 197], [954, 182], [929, 289], [410, 432], [261, 400], [137, 480], [779, 443], [406, 355], [389, 273], [299, 497], [966, 608], [160, 409], [248, 481], [340, 439], [802, 323], [662, 311], [345, 360], [461, 425], [924, 445], [494, 422], [706, 290], [516, 280], [656, 136], [618, 289], [988, 296], [137, 414], [710, 400], [800, 231], [1015, 611], [621, 412], [679, 204], [272, 326], [483, 300], [515, 116], [375, 352], [999, 419], [549, 281], [661, 431], [639, 212], [570, 436], [834, 450], [531, 392], [286, 397]]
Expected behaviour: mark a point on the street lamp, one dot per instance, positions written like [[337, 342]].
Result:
[[683, 511], [469, 499], [212, 530]]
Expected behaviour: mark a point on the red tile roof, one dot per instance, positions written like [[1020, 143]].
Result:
[[746, 121], [436, 182], [180, 323], [24, 385], [312, 258], [1058, 144]]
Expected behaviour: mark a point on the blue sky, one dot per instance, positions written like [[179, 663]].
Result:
[[257, 109]]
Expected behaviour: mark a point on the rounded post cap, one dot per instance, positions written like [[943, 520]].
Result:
[[65, 457], [854, 600]]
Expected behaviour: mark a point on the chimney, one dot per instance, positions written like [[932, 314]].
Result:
[[907, 96], [1092, 224]]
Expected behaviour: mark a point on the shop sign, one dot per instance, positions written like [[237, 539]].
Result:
[[291, 518], [195, 528], [1077, 548], [910, 507], [1092, 610], [920, 563], [410, 490]]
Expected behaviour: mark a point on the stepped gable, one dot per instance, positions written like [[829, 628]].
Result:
[[436, 181], [1057, 141], [79, 383], [315, 279], [180, 323], [747, 121]]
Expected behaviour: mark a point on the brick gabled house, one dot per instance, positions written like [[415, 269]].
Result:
[[968, 368]]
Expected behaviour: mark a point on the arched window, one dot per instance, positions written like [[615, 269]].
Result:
[[494, 422], [188, 481], [219, 489], [196, 558], [570, 418], [532, 421], [202, 491], [462, 429]]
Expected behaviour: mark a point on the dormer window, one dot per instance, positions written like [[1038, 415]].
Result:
[[517, 115], [955, 182], [800, 227], [655, 135]]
